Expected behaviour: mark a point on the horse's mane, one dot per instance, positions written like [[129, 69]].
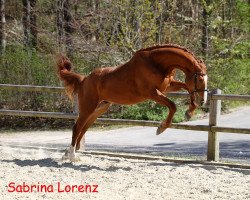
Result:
[[171, 46]]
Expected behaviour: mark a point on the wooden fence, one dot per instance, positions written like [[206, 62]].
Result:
[[212, 128]]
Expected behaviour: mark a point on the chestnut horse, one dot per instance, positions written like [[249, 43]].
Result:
[[147, 76]]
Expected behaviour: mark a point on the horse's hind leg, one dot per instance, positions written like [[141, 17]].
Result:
[[163, 100], [102, 108], [81, 121], [70, 152]]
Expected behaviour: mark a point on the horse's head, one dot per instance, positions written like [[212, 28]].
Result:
[[197, 85]]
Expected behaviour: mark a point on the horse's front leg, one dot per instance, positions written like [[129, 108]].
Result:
[[192, 106], [176, 86], [163, 100]]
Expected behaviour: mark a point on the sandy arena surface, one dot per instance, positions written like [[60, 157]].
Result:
[[117, 178]]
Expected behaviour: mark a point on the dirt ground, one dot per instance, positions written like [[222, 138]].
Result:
[[102, 177], [37, 173]]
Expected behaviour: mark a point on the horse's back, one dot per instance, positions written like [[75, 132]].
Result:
[[130, 83], [118, 85]]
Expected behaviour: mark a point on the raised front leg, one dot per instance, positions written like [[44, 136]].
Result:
[[163, 100], [192, 106], [176, 86]]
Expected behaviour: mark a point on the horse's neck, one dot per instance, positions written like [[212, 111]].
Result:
[[185, 60], [186, 70]]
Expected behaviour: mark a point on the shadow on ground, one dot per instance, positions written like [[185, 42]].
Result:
[[49, 162]]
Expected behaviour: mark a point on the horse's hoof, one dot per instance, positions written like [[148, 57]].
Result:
[[160, 129], [66, 155], [71, 158], [69, 155], [75, 159], [187, 116]]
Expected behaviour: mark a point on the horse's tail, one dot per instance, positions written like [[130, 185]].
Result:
[[71, 80]]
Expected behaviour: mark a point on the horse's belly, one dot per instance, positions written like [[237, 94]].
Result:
[[122, 96], [125, 99]]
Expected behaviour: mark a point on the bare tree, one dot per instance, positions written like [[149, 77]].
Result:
[[33, 26], [26, 22], [205, 27], [136, 23], [59, 22], [65, 26], [68, 27], [2, 27], [29, 23]]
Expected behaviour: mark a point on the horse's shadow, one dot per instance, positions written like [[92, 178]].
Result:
[[49, 162]]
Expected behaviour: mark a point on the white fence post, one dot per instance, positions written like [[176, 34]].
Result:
[[214, 114]]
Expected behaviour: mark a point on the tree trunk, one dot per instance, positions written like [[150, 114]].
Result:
[[205, 29], [95, 21], [158, 21], [136, 24], [64, 26], [194, 5], [231, 11], [33, 26], [29, 23], [68, 28], [2, 27], [59, 22], [26, 22]]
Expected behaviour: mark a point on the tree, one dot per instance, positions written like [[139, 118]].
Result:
[[64, 26], [2, 27], [33, 26], [206, 27], [29, 23], [68, 27]]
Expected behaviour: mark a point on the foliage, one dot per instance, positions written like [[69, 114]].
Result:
[[27, 67], [107, 32]]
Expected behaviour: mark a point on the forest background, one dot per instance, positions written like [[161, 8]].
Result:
[[99, 33]]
